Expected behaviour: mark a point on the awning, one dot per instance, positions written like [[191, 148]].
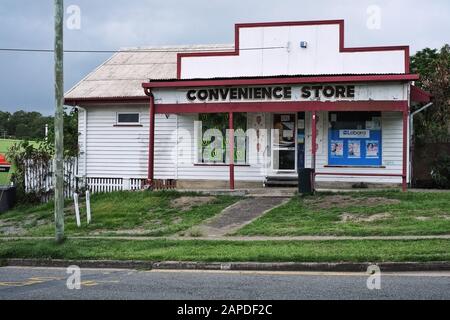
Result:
[[420, 96]]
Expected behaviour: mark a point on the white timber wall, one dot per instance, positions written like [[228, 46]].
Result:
[[122, 151], [287, 57]]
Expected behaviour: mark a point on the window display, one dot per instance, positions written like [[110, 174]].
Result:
[[355, 139]]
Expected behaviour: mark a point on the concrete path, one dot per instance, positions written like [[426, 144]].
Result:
[[238, 215]]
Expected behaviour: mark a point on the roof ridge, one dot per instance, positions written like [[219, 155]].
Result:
[[184, 47]]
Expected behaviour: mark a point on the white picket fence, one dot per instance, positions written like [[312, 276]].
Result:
[[106, 185], [39, 178]]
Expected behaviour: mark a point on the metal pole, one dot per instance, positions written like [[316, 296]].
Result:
[[405, 147], [59, 122]]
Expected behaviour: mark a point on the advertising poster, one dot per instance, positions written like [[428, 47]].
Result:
[[354, 149], [337, 148], [372, 149]]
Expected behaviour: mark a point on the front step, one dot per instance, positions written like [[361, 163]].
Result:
[[281, 181]]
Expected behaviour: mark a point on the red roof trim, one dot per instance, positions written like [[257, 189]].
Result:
[[419, 95], [290, 106], [342, 47], [278, 80]]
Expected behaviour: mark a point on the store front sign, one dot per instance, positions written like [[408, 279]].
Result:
[[316, 92], [252, 93], [354, 134]]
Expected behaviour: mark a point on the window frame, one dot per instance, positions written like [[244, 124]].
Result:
[[199, 161], [128, 123], [363, 160]]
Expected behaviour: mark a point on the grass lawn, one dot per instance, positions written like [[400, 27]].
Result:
[[370, 213], [227, 251], [120, 213]]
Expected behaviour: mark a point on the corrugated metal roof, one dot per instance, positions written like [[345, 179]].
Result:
[[123, 73]]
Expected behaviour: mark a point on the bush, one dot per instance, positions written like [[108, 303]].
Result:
[[28, 158], [440, 172]]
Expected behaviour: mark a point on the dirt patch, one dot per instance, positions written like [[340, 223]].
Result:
[[187, 203], [130, 232], [440, 217], [12, 230], [351, 217], [422, 218], [177, 220], [342, 201]]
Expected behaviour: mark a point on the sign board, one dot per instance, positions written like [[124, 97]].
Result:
[[355, 147], [354, 134], [314, 92]]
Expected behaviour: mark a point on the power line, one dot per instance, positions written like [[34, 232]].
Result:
[[134, 50]]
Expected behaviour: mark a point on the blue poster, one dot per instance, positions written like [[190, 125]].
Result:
[[337, 148], [354, 148]]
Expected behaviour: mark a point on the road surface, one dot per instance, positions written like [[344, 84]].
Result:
[[51, 283]]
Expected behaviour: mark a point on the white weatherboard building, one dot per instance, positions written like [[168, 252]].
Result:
[[285, 96]]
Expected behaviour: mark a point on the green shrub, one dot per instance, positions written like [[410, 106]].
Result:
[[440, 172]]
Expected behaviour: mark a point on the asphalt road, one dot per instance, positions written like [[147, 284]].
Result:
[[47, 283]]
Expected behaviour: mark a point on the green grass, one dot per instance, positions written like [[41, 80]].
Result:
[[5, 144], [228, 251], [120, 213], [414, 214]]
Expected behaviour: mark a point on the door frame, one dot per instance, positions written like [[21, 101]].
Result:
[[272, 149]]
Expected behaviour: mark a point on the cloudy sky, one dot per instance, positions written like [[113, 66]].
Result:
[[26, 79]]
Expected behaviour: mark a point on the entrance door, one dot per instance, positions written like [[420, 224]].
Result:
[[283, 143]]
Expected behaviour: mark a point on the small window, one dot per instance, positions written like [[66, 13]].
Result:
[[128, 118]]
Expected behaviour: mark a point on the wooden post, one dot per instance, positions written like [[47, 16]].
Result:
[[151, 145], [313, 147], [231, 142], [59, 121]]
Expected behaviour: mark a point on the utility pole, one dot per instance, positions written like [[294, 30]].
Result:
[[59, 122]]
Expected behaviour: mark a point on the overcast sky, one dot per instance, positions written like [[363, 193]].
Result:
[[26, 79]]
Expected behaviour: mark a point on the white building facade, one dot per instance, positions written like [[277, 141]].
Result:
[[286, 96]]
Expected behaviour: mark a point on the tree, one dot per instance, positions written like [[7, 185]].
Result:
[[433, 66], [71, 148], [23, 125]]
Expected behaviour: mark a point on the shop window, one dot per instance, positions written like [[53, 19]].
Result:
[[213, 146], [128, 118], [354, 139]]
